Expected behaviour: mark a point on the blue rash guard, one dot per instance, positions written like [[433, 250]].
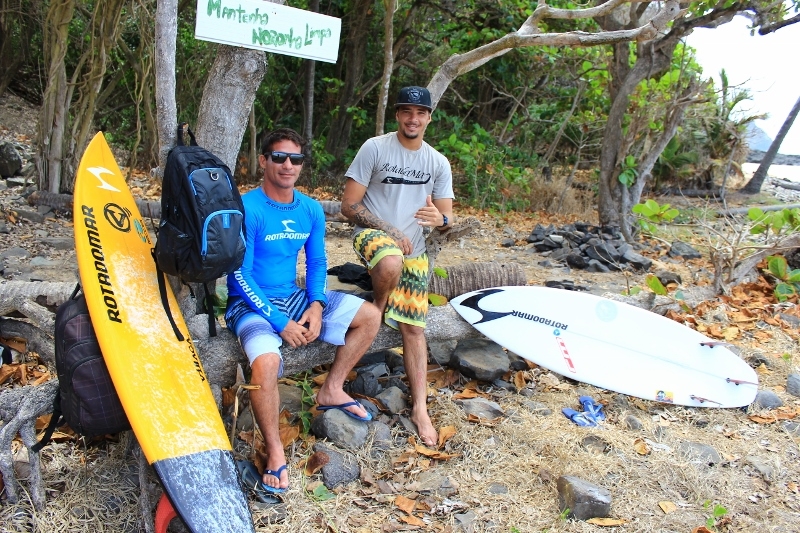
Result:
[[275, 234]]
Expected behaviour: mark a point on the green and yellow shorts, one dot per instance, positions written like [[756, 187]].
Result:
[[408, 302]]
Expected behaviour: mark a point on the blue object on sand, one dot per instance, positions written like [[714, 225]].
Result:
[[578, 418], [592, 409]]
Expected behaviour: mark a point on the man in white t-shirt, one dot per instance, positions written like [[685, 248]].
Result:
[[398, 184]]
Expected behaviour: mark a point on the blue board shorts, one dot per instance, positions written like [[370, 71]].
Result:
[[258, 337]]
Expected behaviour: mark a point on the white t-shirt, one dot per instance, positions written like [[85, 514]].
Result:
[[398, 180]]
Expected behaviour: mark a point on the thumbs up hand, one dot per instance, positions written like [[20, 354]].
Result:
[[429, 214]]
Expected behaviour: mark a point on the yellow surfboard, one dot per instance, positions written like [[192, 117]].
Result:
[[159, 378]]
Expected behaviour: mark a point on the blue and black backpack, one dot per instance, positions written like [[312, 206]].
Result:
[[201, 236]]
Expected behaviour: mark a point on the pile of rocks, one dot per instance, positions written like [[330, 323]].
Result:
[[587, 247]]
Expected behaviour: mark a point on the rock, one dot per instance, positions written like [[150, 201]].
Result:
[[508, 243], [793, 384], [366, 382], [699, 453], [681, 249], [497, 488], [433, 482], [342, 430], [372, 358], [59, 243], [583, 499], [756, 359], [766, 399], [291, 399], [504, 385], [442, 351], [576, 260], [341, 468], [596, 266], [792, 320], [398, 383], [381, 436], [633, 423], [465, 520], [593, 443], [792, 428], [538, 408], [31, 216], [761, 466], [666, 277], [516, 362], [392, 399], [481, 408], [480, 359], [15, 251], [636, 260], [10, 160]]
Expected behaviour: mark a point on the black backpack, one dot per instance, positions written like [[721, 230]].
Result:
[[86, 399], [201, 236]]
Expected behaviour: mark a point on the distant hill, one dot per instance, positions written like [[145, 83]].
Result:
[[756, 138]]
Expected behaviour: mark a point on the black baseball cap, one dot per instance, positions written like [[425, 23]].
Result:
[[414, 95]]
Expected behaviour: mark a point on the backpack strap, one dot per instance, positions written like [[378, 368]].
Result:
[[208, 307], [184, 126], [56, 419], [162, 291]]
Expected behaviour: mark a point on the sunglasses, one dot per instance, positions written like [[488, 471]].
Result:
[[280, 158]]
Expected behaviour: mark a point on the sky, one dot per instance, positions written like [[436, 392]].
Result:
[[766, 65]]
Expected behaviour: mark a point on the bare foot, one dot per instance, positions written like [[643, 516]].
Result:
[[274, 465], [427, 433], [339, 397]]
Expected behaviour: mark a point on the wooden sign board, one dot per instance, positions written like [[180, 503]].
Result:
[[271, 27]]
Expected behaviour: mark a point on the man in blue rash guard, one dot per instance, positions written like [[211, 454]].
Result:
[[267, 308]]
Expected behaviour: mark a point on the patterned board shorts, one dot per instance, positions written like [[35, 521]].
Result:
[[408, 302]]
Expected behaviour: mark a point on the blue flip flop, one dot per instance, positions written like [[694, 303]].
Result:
[[252, 480], [592, 409], [342, 407], [578, 418], [276, 474]]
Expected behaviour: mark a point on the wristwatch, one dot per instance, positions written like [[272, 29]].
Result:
[[444, 221], [320, 302]]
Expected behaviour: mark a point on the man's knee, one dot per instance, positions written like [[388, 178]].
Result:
[[390, 265], [265, 366], [367, 315], [410, 331]]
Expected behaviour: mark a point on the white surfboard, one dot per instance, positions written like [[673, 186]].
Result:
[[611, 345]]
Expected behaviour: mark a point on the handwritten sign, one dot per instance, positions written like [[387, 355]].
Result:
[[271, 27]]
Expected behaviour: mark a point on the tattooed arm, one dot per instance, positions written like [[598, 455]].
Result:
[[356, 212]]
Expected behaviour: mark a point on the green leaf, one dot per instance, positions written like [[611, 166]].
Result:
[[777, 266], [437, 300], [655, 285], [794, 276], [755, 214], [719, 511], [321, 493], [634, 291], [783, 291], [440, 272]]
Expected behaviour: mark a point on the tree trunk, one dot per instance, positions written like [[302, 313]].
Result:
[[355, 54], [53, 115], [166, 107], [311, 72], [754, 185], [234, 77], [388, 64], [252, 160], [652, 59]]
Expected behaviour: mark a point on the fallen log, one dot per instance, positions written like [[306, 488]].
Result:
[[786, 184], [744, 210]]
